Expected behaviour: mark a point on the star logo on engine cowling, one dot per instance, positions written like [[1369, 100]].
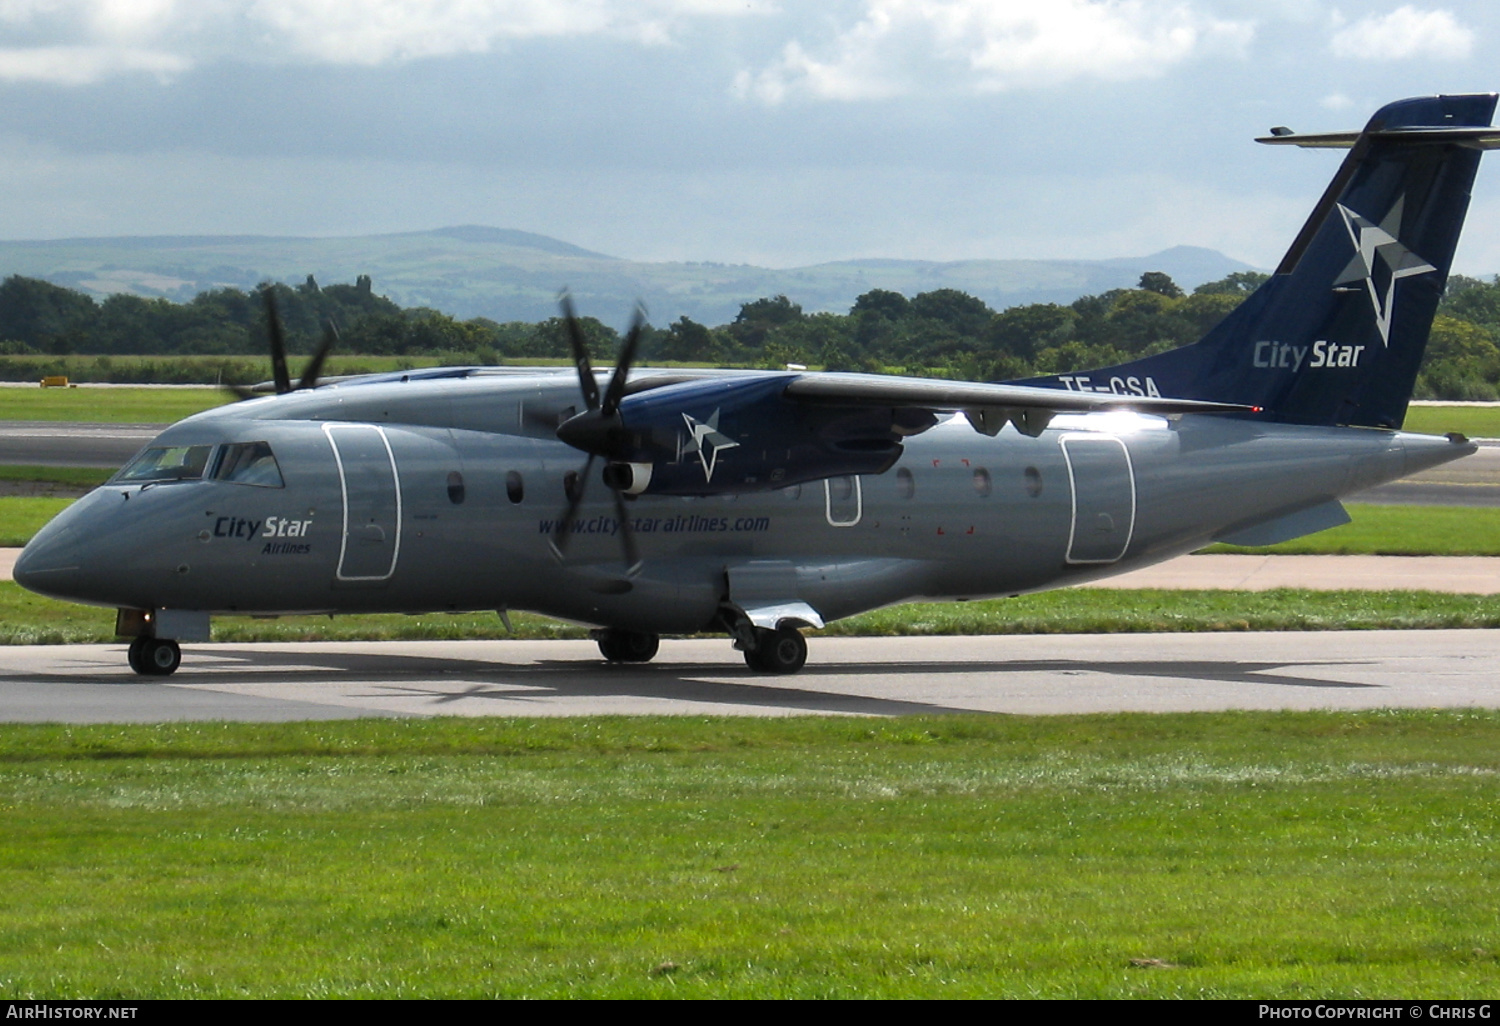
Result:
[[705, 439], [1375, 245]]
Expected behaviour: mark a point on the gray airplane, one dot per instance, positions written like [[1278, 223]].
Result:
[[759, 504]]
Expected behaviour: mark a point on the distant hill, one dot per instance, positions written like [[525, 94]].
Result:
[[507, 275]]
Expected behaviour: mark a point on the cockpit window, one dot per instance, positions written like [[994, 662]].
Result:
[[250, 463], [171, 463]]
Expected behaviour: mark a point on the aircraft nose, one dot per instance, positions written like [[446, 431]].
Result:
[[50, 563]]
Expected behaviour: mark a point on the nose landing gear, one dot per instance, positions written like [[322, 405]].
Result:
[[618, 646], [154, 657]]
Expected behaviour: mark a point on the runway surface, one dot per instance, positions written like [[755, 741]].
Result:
[[845, 676], [39, 443]]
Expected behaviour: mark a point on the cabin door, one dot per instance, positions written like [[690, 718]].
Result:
[[372, 501], [1103, 484]]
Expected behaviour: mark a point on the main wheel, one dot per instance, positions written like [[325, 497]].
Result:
[[783, 650], [155, 657], [619, 646]]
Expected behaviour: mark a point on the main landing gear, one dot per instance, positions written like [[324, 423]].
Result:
[[783, 650], [779, 651], [154, 657]]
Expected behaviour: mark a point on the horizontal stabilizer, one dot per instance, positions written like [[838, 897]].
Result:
[[1472, 138]]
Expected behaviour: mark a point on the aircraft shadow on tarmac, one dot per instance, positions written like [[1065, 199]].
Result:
[[446, 681]]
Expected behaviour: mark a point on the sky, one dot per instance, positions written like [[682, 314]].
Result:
[[734, 131]]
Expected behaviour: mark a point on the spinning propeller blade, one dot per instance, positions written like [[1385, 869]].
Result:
[[281, 378], [616, 390], [591, 430], [579, 347], [575, 491], [315, 365], [278, 341]]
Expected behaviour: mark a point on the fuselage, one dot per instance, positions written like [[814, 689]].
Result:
[[434, 495]]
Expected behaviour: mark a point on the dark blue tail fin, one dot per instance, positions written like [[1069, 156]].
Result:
[[1337, 333]]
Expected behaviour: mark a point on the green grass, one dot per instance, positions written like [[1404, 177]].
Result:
[[1473, 421], [1398, 531], [108, 405], [1133, 611], [77, 477], [22, 516], [1251, 855], [28, 619]]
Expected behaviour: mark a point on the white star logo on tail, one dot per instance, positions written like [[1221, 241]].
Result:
[[1372, 241], [705, 439]]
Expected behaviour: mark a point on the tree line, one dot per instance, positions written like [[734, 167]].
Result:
[[944, 332]]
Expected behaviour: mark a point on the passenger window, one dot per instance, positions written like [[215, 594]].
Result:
[[982, 483], [249, 463], [455, 488], [171, 463], [515, 488], [906, 485], [1033, 482]]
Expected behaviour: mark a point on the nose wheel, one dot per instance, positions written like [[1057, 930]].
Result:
[[154, 657], [618, 646]]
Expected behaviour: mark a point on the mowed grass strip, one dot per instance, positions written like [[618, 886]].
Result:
[[1397, 531], [1473, 421], [1292, 855], [73, 477], [29, 619], [22, 516], [109, 405]]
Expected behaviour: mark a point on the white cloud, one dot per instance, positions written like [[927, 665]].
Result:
[[131, 18], [913, 46], [378, 31], [166, 36], [84, 65], [1404, 33]]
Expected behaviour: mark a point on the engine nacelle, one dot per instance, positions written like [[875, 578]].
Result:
[[741, 434]]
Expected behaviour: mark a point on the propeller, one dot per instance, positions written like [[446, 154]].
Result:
[[598, 430], [281, 378], [314, 366], [278, 341]]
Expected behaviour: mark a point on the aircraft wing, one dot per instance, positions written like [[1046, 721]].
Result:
[[988, 406], [742, 432]]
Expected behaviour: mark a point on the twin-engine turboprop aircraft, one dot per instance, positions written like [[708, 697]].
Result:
[[759, 504]]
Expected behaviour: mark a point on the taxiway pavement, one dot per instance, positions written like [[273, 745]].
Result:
[[845, 676], [40, 443]]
